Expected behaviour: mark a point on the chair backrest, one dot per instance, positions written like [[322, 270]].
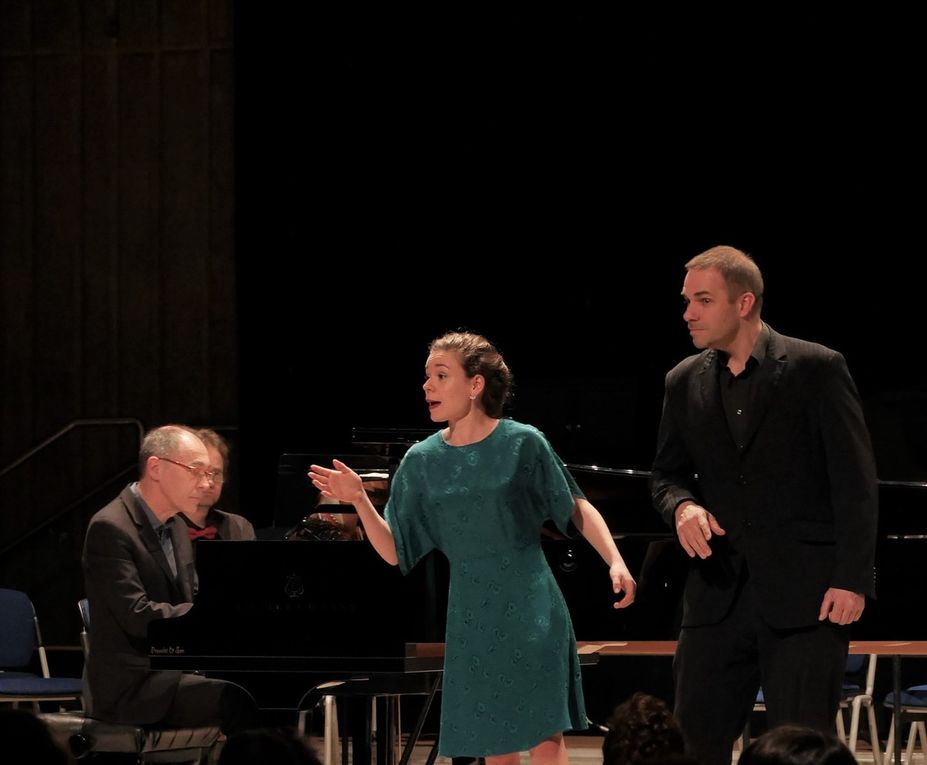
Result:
[[855, 662], [18, 638]]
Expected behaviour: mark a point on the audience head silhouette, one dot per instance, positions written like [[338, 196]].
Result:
[[794, 745], [27, 739], [642, 730]]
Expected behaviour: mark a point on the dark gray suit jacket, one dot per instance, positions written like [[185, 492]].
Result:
[[799, 502], [129, 584]]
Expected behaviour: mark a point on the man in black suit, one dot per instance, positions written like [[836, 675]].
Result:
[[138, 567], [765, 471]]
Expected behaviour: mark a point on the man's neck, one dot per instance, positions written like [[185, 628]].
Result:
[[742, 346], [162, 511]]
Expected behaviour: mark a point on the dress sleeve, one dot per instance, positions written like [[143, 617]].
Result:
[[554, 488], [405, 514]]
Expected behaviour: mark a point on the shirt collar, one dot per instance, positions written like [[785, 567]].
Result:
[[760, 348], [156, 524]]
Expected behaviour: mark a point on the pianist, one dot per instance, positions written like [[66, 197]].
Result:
[[138, 567]]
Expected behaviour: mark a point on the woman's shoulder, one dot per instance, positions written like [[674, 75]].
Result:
[[518, 428], [425, 446], [527, 434]]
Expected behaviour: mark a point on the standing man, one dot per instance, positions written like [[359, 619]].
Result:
[[765, 471], [138, 567]]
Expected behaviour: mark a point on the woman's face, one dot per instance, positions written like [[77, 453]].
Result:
[[449, 393]]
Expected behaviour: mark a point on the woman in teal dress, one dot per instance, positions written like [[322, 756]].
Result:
[[479, 491]]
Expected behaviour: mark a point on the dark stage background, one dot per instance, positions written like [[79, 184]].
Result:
[[256, 217], [541, 177]]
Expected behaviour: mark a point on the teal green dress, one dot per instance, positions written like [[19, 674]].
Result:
[[511, 672]]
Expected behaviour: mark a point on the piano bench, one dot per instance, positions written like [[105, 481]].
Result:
[[83, 735]]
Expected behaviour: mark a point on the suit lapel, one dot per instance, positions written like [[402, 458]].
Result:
[[183, 552], [150, 539], [715, 421], [768, 376]]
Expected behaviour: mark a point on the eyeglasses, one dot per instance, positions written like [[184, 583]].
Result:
[[198, 471]]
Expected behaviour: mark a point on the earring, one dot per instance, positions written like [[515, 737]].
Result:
[[472, 397]]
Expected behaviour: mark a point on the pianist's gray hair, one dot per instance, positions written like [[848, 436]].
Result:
[[739, 270], [161, 442], [480, 357]]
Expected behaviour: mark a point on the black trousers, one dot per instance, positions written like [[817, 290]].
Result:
[[719, 668], [206, 701]]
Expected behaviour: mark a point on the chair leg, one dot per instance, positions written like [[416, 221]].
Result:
[[841, 729], [912, 738], [854, 723], [890, 743], [873, 733]]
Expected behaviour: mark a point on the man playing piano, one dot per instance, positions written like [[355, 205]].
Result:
[[479, 491], [138, 567], [765, 470]]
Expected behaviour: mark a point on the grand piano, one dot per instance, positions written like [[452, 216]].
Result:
[[279, 617]]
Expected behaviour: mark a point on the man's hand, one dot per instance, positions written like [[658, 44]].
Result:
[[842, 606], [694, 526]]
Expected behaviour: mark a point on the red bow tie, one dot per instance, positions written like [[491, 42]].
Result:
[[207, 532]]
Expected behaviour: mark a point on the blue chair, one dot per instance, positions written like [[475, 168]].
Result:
[[853, 698], [20, 640], [914, 707]]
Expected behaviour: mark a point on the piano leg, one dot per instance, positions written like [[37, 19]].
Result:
[[419, 724], [385, 737], [361, 737]]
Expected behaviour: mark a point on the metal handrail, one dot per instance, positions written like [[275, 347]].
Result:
[[71, 426], [74, 424], [68, 509]]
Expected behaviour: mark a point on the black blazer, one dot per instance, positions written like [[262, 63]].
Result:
[[799, 502], [129, 584]]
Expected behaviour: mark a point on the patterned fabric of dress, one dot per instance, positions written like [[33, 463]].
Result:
[[511, 672]]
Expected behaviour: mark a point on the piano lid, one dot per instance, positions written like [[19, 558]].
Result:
[[623, 498], [393, 439], [296, 497]]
